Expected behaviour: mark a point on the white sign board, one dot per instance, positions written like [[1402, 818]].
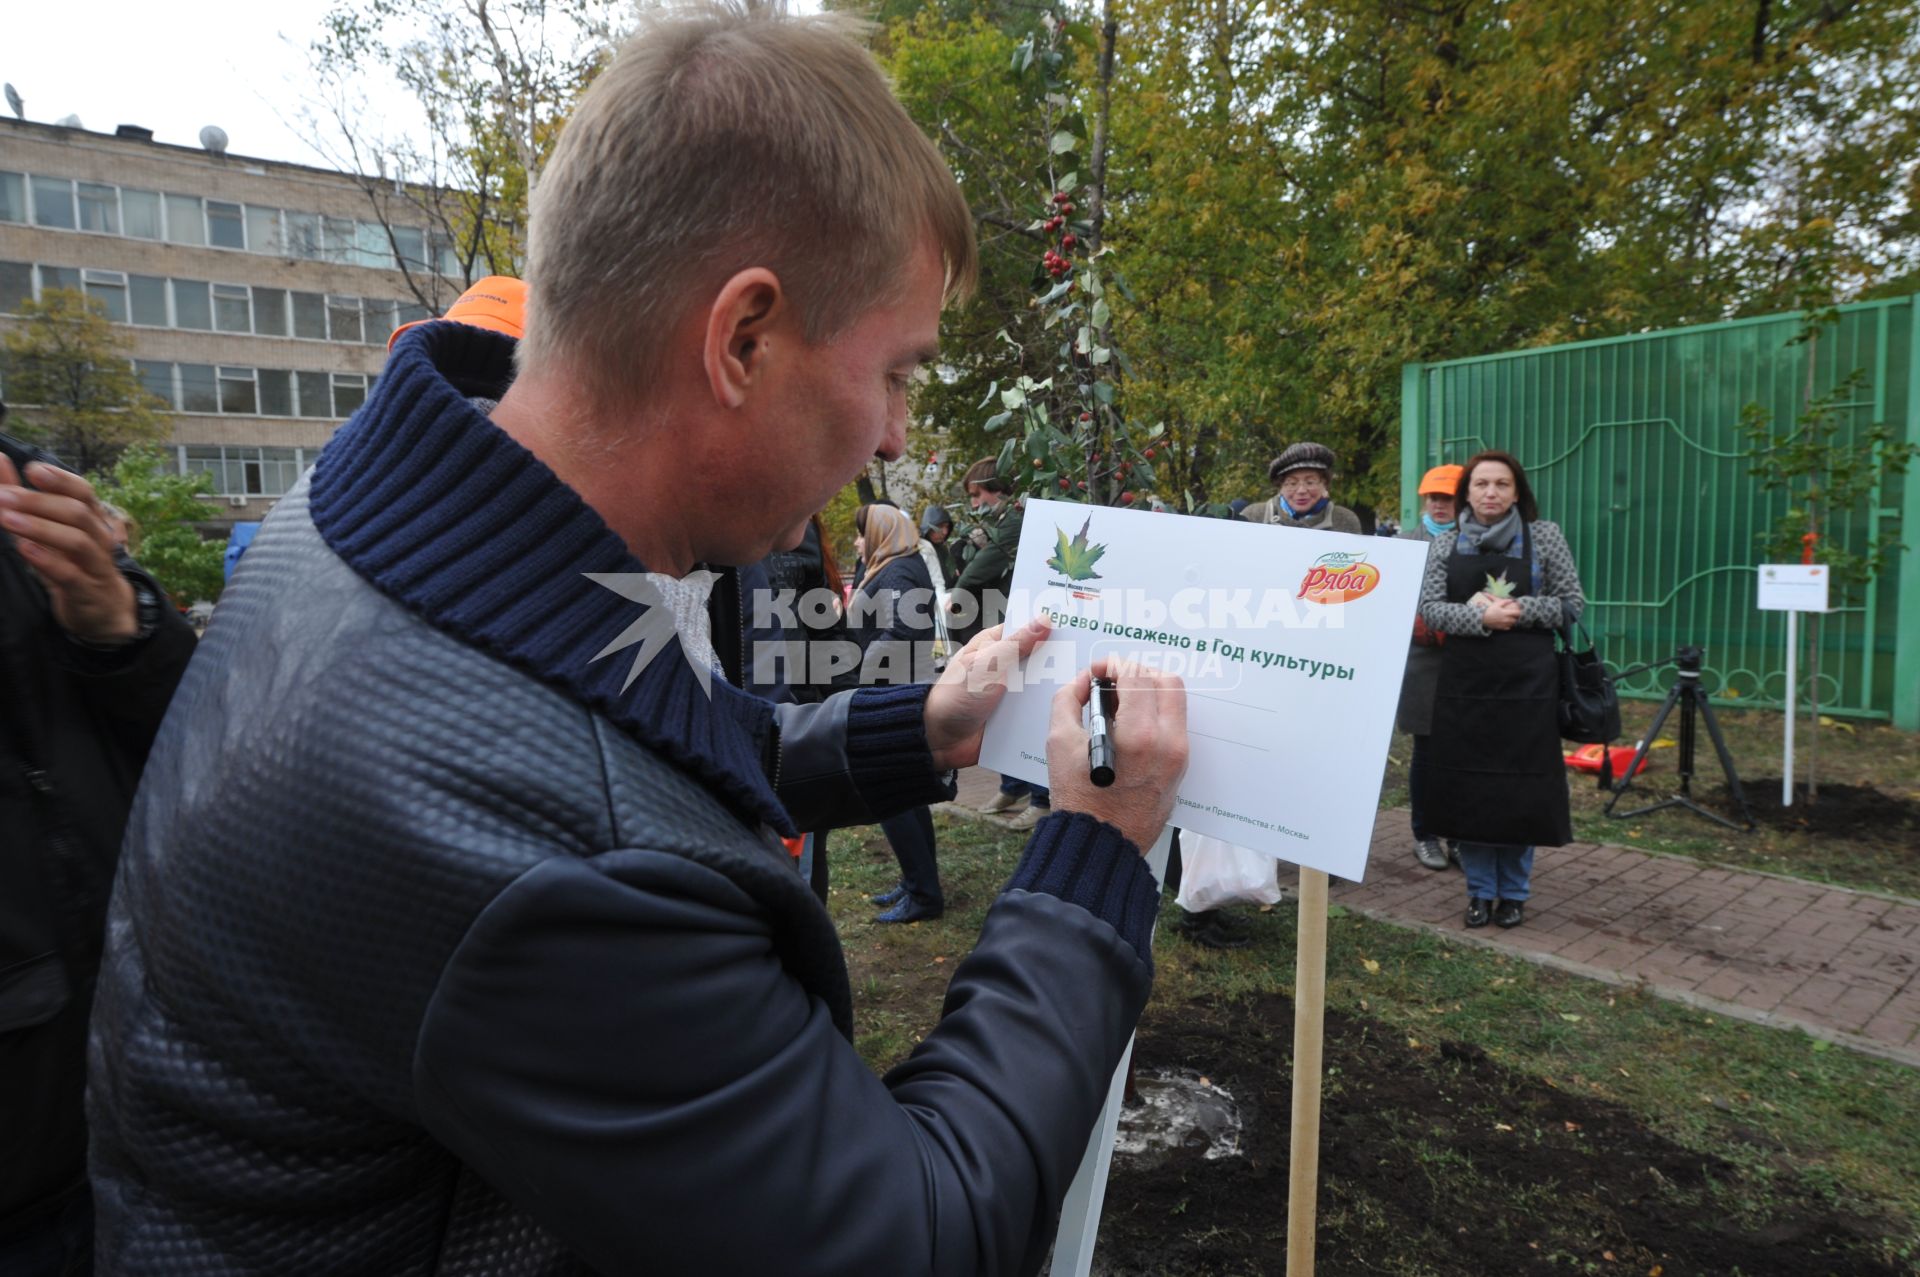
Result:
[[1793, 587], [1292, 644]]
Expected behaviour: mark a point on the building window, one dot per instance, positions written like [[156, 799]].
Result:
[[270, 312], [232, 312], [373, 250], [379, 323], [198, 393], [140, 213], [158, 380], [410, 312], [53, 202], [58, 277], [412, 244], [237, 393], [276, 392], [13, 197], [349, 392], [185, 225], [225, 229], [340, 235], [148, 297], [99, 208], [109, 288], [316, 394], [310, 316], [303, 235], [263, 230], [191, 307], [343, 318], [16, 285]]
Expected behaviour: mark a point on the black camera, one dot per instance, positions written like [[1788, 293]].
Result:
[[24, 454], [1690, 658]]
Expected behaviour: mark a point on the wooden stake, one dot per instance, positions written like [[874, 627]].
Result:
[[1309, 1032]]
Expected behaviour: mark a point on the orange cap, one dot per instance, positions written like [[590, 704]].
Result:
[[1441, 481], [498, 302]]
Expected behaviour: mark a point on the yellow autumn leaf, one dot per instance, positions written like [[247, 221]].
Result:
[[1373, 968]]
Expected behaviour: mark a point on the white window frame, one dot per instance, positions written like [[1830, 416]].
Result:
[[108, 278], [213, 302]]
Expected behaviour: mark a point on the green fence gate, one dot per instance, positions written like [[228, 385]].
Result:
[[1633, 445]]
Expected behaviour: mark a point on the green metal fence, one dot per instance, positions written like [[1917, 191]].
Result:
[[1633, 446]]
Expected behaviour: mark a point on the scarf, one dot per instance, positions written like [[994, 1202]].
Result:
[[890, 535], [1478, 538], [1435, 529], [1286, 507]]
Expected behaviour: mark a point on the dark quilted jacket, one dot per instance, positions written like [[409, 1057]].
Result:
[[417, 965]]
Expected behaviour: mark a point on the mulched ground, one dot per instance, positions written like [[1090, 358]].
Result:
[[1857, 813], [1418, 1178]]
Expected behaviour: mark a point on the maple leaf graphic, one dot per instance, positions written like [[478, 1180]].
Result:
[[1075, 559]]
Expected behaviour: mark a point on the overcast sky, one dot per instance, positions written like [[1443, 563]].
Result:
[[173, 68], [169, 67]]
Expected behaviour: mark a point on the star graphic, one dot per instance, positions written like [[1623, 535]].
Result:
[[654, 628]]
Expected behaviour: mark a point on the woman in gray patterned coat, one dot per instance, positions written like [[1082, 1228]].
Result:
[[1498, 586]]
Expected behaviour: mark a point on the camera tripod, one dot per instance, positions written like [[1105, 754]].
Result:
[[1692, 700]]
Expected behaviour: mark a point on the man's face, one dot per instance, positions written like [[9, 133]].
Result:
[[979, 499], [938, 534], [844, 400]]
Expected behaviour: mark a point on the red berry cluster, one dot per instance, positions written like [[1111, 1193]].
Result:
[[1054, 263]]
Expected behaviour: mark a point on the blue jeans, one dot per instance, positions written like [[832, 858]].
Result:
[[1041, 796], [1496, 873]]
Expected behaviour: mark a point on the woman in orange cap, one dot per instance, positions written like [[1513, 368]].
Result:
[[1423, 669]]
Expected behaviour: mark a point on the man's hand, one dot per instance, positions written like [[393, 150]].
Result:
[[958, 705], [62, 532], [1149, 747]]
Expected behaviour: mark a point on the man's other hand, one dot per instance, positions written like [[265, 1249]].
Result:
[[61, 531], [1149, 728], [976, 679]]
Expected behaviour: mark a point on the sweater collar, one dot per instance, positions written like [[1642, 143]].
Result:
[[442, 511]]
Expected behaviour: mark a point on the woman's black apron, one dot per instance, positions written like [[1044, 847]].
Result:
[[1496, 774]]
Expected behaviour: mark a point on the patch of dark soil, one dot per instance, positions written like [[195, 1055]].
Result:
[[1441, 1161], [1858, 813]]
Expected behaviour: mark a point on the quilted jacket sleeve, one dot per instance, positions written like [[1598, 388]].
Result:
[[618, 1049]]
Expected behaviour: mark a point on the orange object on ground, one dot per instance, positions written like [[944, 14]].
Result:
[[1593, 758], [498, 302]]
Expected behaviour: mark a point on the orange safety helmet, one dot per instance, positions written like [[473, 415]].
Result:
[[1441, 481], [498, 303]]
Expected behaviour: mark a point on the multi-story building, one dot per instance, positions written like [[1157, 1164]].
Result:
[[257, 296]]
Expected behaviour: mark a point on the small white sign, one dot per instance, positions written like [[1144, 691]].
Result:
[[1793, 587]]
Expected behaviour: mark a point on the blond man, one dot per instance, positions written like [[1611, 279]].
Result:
[[454, 934]]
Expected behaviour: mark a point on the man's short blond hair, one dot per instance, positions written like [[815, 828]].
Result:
[[723, 137]]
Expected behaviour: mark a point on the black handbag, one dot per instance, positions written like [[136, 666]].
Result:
[[1589, 705]]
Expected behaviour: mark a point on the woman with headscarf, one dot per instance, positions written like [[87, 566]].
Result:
[[1498, 586], [891, 617]]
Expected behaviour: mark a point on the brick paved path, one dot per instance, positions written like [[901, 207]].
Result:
[[1843, 965]]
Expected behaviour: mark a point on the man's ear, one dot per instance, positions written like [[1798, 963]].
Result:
[[748, 314]]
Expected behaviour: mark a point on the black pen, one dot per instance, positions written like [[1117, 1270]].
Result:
[[1100, 732]]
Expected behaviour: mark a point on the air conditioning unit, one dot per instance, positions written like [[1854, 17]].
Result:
[[238, 503]]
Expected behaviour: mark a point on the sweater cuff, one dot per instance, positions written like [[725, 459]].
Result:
[[1090, 863], [887, 753]]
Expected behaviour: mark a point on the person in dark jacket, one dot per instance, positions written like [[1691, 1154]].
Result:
[[892, 621], [984, 557], [936, 530], [90, 652], [1415, 717], [1498, 586], [453, 934]]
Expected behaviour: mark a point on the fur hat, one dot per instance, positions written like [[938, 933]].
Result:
[[1301, 456]]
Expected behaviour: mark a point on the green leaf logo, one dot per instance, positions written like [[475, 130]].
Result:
[[1075, 559]]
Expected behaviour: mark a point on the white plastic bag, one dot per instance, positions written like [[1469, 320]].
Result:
[[1214, 872]]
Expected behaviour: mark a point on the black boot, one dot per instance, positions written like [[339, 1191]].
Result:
[[1479, 911]]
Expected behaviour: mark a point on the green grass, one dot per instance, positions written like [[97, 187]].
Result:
[[1765, 1100], [1849, 753]]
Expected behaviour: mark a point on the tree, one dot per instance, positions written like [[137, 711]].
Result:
[[493, 80], [163, 508], [70, 378]]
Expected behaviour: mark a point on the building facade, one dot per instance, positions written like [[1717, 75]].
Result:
[[257, 297]]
